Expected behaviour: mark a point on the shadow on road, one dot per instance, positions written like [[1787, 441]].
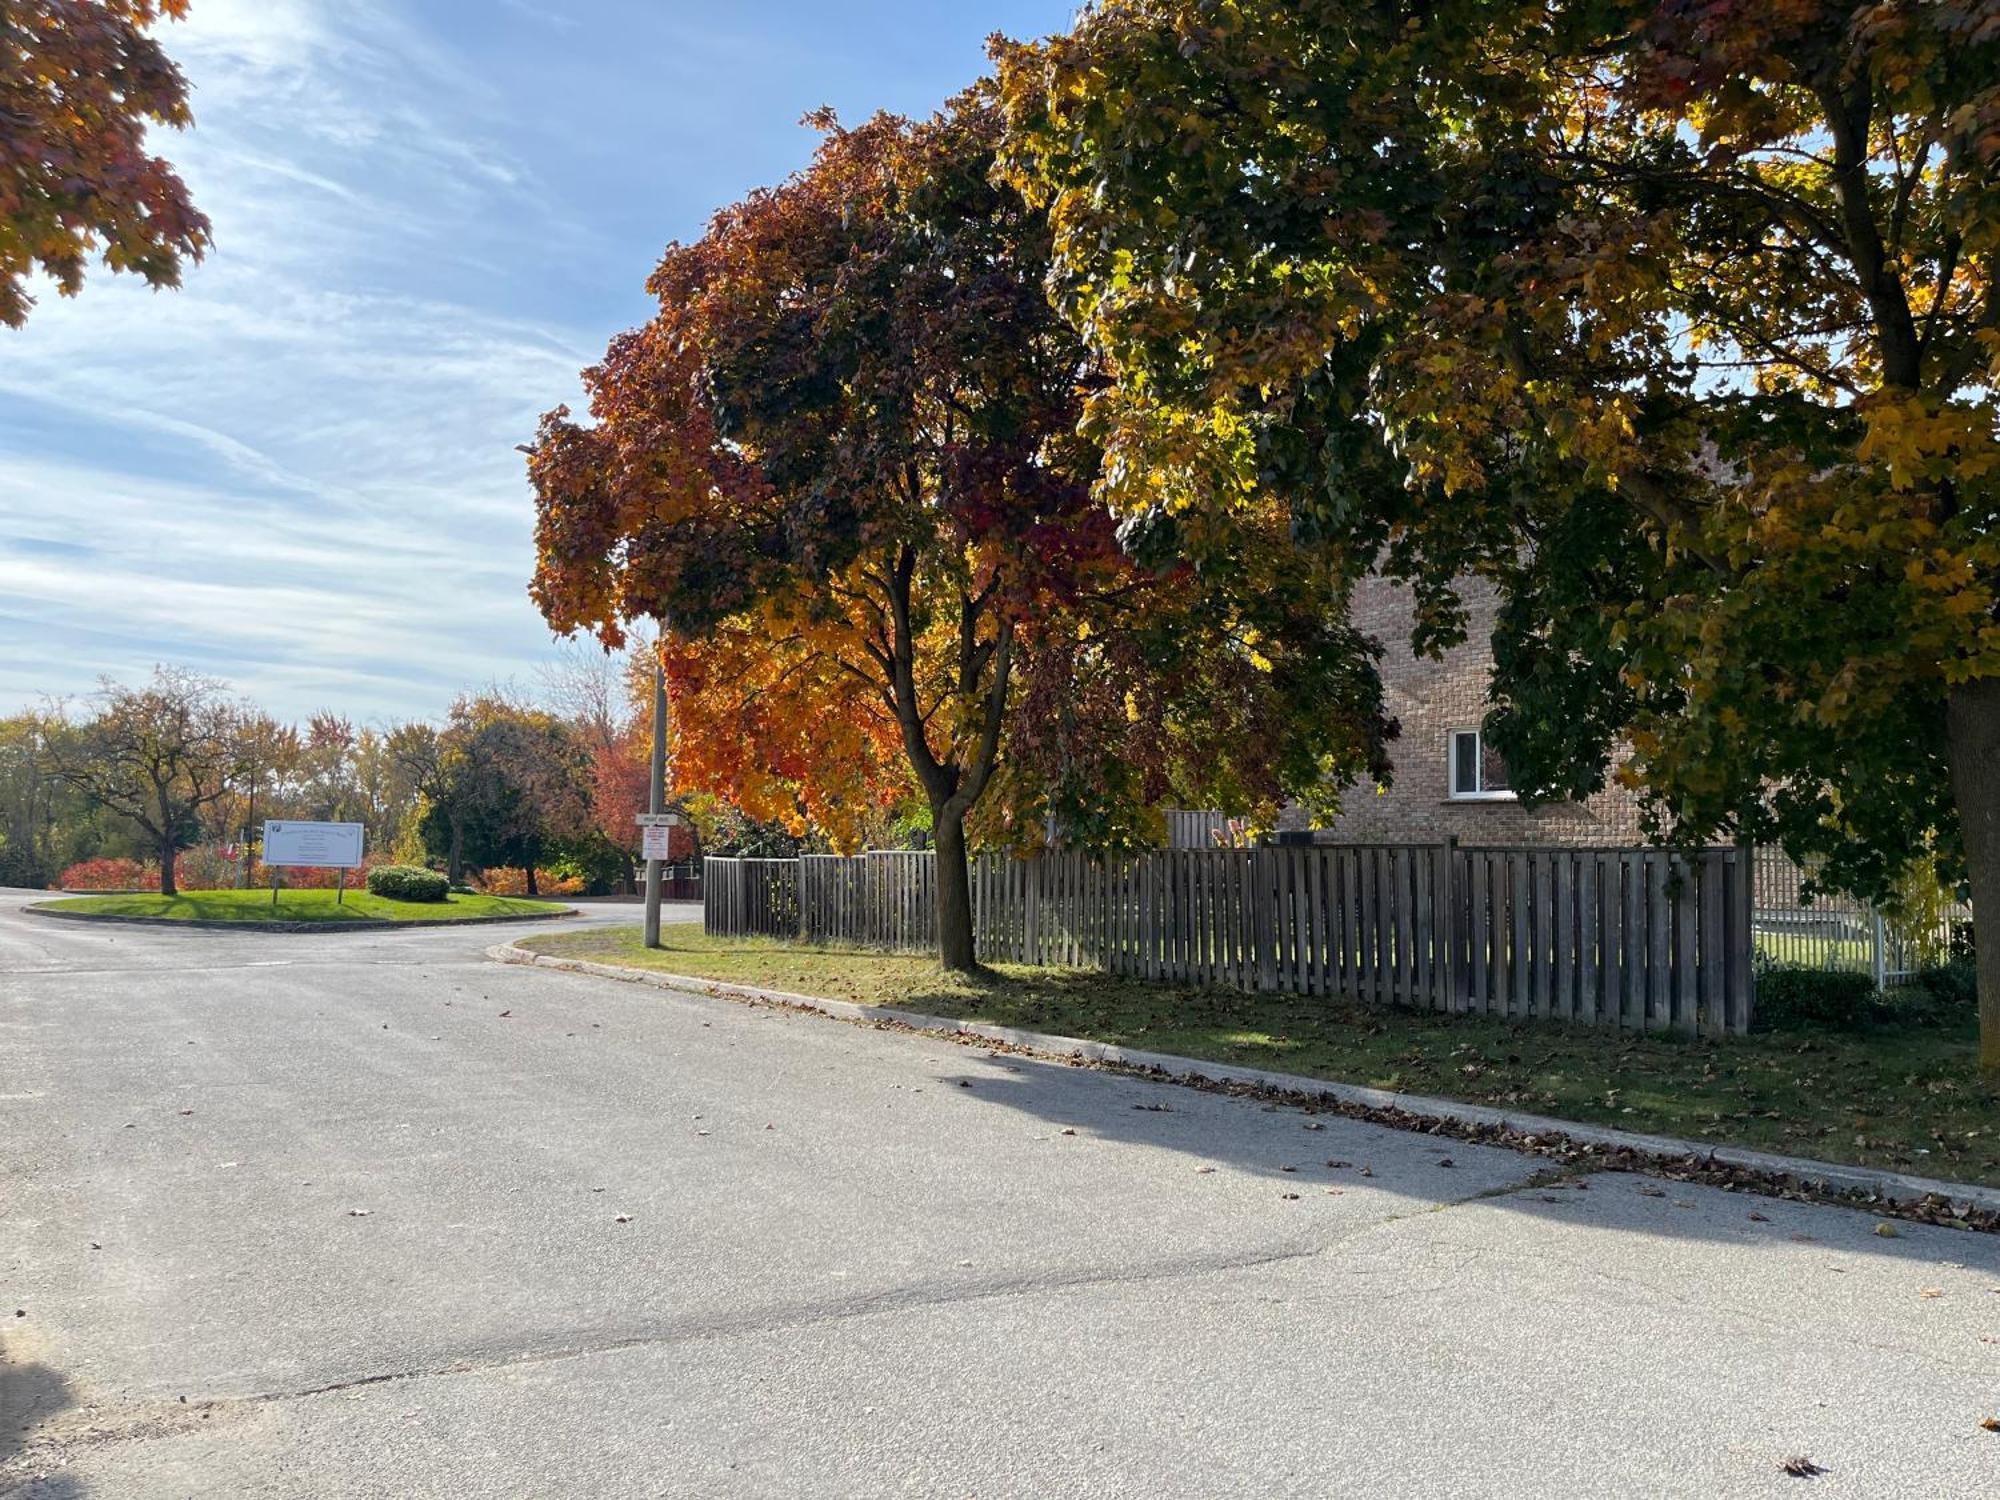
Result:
[[1279, 1144], [31, 1394]]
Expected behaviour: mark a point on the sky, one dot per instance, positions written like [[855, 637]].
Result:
[[298, 472]]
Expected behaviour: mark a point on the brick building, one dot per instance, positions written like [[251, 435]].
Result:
[[1446, 781]]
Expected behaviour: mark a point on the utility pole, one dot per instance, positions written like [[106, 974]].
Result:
[[657, 802]]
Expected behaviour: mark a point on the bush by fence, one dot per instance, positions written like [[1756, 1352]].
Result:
[[1621, 937]]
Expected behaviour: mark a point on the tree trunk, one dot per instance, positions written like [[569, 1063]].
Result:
[[531, 879], [454, 865], [167, 853], [954, 891], [1972, 743]]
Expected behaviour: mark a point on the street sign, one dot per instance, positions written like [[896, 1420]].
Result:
[[658, 820], [656, 841], [328, 846]]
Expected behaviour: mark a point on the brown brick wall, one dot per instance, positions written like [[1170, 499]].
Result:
[[1431, 698]]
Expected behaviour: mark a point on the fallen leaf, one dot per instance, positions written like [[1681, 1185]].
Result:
[[1652, 1192], [505, 1013], [624, 1219], [1288, 1169], [1288, 1196], [1314, 1125], [1067, 1130], [1334, 1161], [1760, 1218], [1888, 1231], [1367, 1171], [1199, 1171], [1801, 1467], [1446, 1161], [1990, 1424], [358, 1213], [1930, 1292]]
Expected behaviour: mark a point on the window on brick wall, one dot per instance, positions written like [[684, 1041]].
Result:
[[1478, 774]]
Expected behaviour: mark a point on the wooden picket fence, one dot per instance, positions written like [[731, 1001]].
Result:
[[1634, 938]]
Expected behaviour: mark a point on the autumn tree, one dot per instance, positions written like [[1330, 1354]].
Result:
[[842, 465], [161, 756], [1679, 321], [81, 82], [507, 783]]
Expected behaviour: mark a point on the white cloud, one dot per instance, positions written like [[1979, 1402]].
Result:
[[298, 471]]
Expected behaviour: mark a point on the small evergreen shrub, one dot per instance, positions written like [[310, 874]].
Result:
[[1791, 999], [1948, 991], [407, 883]]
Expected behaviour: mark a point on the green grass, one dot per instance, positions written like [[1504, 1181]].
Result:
[[298, 906], [1905, 1095]]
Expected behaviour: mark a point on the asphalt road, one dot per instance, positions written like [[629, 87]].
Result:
[[370, 1215]]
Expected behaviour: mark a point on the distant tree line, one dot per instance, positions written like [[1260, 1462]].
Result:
[[547, 782]]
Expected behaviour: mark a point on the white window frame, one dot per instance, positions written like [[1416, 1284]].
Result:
[[1476, 794]]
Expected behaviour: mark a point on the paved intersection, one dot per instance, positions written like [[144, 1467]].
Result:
[[368, 1215]]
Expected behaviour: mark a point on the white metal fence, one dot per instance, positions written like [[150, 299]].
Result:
[[1837, 931]]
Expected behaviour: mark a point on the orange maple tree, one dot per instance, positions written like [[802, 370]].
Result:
[[80, 81], [843, 464]]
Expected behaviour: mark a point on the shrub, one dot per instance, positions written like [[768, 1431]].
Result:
[[109, 875], [1830, 999], [21, 866], [1944, 992], [407, 883], [507, 881]]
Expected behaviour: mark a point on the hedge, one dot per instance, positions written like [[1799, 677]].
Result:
[[407, 883]]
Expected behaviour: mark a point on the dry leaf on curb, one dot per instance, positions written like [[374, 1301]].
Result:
[[1066, 1130], [1314, 1125], [1990, 1424], [1801, 1467], [624, 1219], [1651, 1192], [1888, 1231], [1288, 1197], [1930, 1291], [358, 1213], [1200, 1170], [1759, 1219]]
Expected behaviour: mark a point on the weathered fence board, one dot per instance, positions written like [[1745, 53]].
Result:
[[1632, 938]]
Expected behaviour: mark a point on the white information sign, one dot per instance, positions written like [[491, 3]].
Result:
[[660, 820], [656, 841], [327, 846]]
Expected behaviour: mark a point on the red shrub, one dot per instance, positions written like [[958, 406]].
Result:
[[109, 875]]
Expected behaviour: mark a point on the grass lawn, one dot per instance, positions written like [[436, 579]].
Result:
[[1907, 1096], [298, 906]]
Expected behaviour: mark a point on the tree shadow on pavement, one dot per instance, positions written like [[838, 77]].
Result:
[[31, 1394], [1309, 1151]]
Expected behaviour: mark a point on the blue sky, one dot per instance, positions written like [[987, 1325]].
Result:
[[298, 472]]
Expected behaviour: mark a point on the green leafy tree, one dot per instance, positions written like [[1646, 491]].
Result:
[[511, 786], [1680, 321]]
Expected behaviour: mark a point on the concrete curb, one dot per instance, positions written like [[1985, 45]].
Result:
[[1895, 1187], [365, 924]]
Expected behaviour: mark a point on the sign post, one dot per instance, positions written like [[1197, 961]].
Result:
[[326, 846], [657, 799]]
